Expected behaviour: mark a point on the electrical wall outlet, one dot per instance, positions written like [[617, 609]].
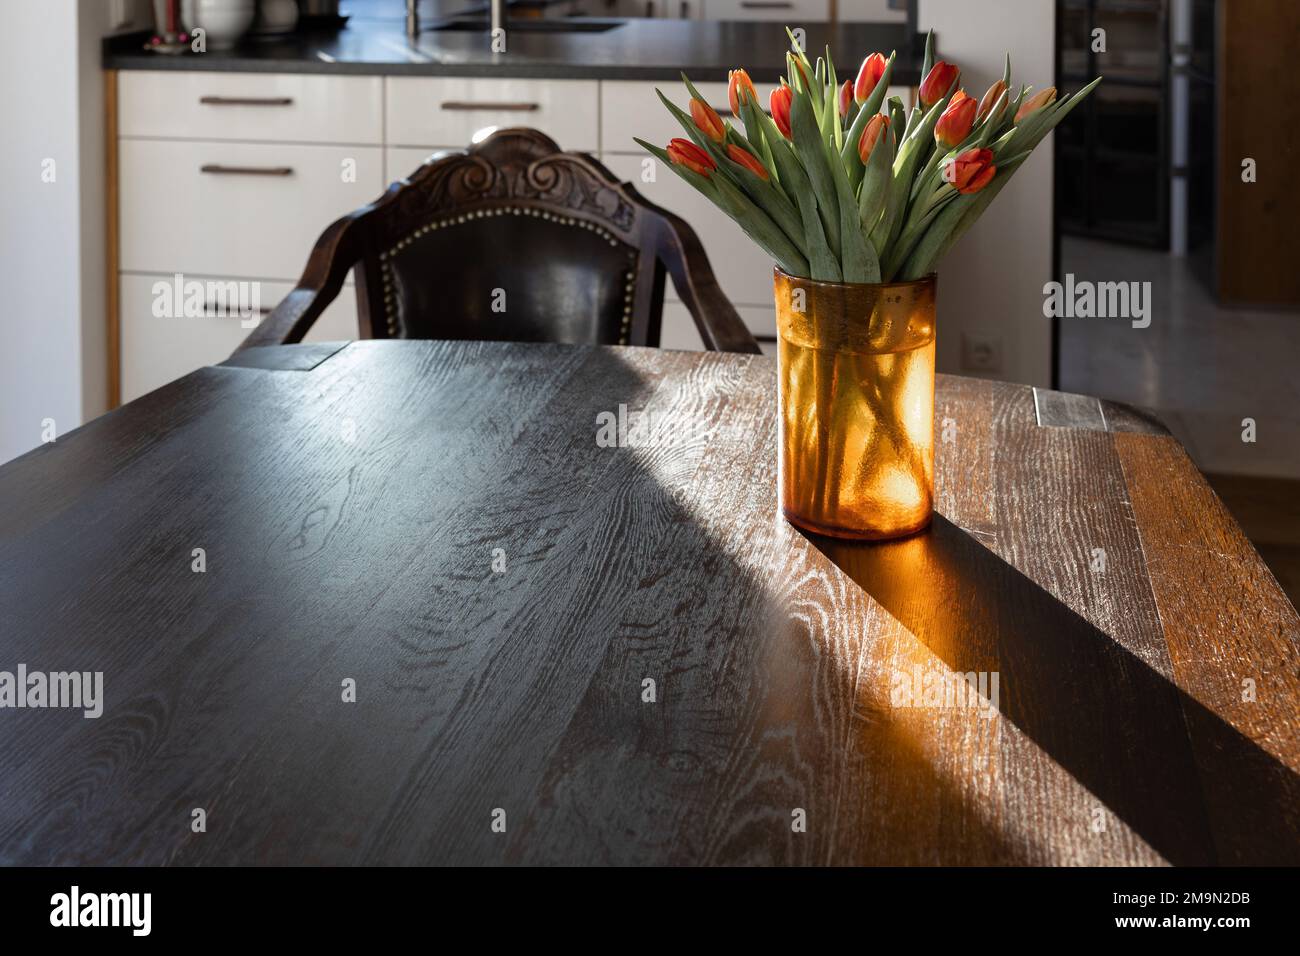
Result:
[[981, 352]]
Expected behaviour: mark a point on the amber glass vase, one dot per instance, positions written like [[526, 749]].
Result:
[[857, 405]]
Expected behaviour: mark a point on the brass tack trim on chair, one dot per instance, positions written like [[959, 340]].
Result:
[[629, 290]]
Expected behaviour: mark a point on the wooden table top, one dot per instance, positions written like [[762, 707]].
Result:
[[437, 523]]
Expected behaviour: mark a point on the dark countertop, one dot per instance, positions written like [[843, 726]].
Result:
[[637, 49]]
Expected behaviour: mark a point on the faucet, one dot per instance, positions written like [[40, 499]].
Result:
[[497, 22]]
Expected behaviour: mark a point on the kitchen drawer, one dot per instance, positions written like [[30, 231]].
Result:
[[284, 107], [679, 330], [157, 350], [743, 269], [447, 111], [175, 217], [791, 12]]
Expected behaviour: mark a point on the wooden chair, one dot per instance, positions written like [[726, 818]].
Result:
[[514, 240]]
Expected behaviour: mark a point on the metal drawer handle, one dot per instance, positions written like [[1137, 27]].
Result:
[[246, 100], [246, 170], [463, 107], [765, 5]]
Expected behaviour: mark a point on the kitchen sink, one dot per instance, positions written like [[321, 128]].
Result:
[[534, 25]]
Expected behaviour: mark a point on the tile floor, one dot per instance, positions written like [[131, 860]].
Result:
[[1200, 366]]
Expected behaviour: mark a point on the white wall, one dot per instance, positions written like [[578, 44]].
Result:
[[52, 321], [991, 282]]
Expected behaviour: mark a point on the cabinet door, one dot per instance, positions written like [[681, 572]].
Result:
[[275, 107], [241, 210], [156, 350], [447, 112]]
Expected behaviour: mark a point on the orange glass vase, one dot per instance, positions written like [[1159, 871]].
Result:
[[857, 405]]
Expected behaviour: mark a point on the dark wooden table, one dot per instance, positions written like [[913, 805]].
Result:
[[436, 522]]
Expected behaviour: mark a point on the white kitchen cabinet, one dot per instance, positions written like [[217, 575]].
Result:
[[249, 210], [446, 111], [247, 197], [156, 350], [251, 107]]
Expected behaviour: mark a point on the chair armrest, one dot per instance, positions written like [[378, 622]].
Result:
[[335, 252], [720, 325]]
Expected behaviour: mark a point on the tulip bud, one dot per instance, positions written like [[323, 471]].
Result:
[[795, 62], [871, 134], [937, 82], [685, 153], [748, 160], [1036, 102], [708, 121], [846, 97], [873, 68], [971, 171], [738, 81], [990, 100], [779, 102], [956, 122]]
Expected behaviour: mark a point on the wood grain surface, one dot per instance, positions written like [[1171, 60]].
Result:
[[437, 522]]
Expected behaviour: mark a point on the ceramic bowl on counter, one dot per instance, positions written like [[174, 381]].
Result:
[[223, 21]]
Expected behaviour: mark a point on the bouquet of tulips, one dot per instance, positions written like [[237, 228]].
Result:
[[834, 188]]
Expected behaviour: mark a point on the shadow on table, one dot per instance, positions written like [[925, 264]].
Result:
[[1117, 725]]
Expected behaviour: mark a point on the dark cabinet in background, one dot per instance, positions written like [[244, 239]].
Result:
[[1112, 153]]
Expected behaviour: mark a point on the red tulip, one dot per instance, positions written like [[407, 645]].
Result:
[[937, 82], [873, 68], [1036, 102], [971, 171], [685, 153], [738, 80], [708, 121], [748, 160], [779, 102], [846, 97], [990, 100], [956, 122], [871, 134]]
